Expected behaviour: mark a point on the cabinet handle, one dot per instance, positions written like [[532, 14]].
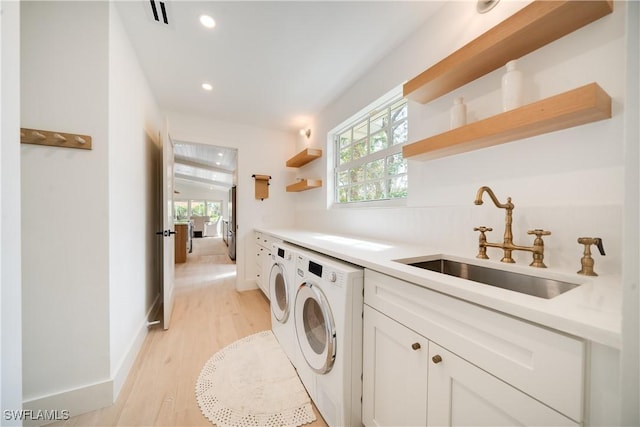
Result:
[[415, 346], [436, 359]]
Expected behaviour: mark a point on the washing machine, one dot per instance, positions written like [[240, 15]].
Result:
[[281, 296], [328, 325]]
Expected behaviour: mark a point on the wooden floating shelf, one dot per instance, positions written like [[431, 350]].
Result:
[[579, 106], [532, 27], [305, 184], [305, 156]]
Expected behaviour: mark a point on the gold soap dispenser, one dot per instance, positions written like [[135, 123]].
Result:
[[586, 260]]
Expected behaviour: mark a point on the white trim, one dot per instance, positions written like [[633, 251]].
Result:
[[386, 203], [396, 92], [11, 376], [126, 363], [243, 285], [77, 401]]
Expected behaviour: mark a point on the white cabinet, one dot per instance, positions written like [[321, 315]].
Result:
[[263, 257], [394, 366], [461, 394], [430, 359]]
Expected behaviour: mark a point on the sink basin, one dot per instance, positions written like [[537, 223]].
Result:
[[525, 284]]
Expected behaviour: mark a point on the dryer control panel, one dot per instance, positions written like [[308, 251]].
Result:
[[327, 273], [282, 253]]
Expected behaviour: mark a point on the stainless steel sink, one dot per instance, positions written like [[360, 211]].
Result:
[[525, 284]]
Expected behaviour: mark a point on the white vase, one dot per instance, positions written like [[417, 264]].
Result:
[[512, 90], [458, 113]]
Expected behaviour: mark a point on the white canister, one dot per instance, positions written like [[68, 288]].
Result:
[[512, 90], [458, 113]]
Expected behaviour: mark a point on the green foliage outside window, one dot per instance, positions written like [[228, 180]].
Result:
[[184, 209]]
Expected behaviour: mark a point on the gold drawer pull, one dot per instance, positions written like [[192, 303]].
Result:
[[415, 346], [437, 358]]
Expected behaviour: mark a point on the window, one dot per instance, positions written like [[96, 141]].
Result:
[[198, 207], [183, 209], [368, 156], [214, 210]]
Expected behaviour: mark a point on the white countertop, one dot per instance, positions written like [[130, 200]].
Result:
[[591, 310]]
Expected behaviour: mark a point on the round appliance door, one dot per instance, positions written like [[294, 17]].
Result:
[[279, 293], [315, 328]]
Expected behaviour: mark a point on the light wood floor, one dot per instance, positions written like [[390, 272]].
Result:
[[208, 315]]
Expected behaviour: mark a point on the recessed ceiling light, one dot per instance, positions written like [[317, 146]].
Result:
[[207, 21], [218, 163], [220, 154], [207, 86]]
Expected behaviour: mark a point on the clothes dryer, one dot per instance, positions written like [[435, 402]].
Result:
[[281, 296], [328, 324]]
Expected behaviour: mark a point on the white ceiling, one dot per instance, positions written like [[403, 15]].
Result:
[[205, 165], [272, 64]]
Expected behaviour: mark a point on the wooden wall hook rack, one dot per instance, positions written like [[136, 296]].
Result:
[[55, 139]]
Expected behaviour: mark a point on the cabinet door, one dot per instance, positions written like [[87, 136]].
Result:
[[259, 262], [180, 243], [461, 394], [265, 271], [395, 363]]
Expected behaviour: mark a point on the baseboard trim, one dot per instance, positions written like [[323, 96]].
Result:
[[119, 376], [70, 402], [246, 285], [90, 397]]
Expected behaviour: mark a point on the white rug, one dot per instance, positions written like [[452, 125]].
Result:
[[252, 383]]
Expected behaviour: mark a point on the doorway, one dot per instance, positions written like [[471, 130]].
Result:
[[204, 175]]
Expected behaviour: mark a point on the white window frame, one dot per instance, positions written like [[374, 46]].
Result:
[[382, 102]]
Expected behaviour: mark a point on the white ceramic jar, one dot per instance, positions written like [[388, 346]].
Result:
[[512, 88], [458, 113]]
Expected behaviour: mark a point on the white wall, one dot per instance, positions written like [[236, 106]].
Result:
[[10, 275], [89, 259], [135, 165], [260, 151], [631, 267], [65, 212], [568, 182]]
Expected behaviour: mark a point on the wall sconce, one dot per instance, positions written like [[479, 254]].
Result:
[[485, 6], [305, 132]]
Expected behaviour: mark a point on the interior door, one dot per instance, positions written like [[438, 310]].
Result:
[[168, 247]]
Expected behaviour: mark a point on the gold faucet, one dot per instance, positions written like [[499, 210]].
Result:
[[507, 244], [587, 262]]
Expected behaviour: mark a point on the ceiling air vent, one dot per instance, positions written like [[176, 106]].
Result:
[[159, 11]]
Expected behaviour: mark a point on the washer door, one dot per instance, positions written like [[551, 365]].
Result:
[[279, 293], [315, 328]]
